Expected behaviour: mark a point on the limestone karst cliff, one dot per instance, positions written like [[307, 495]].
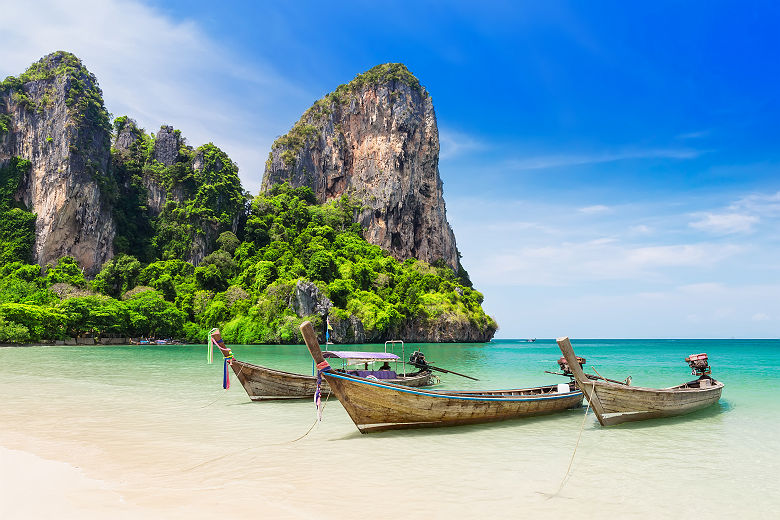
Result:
[[374, 139], [178, 199], [165, 241], [53, 116]]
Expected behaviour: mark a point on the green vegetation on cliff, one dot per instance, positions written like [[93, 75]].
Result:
[[17, 225], [201, 188], [83, 96], [247, 287]]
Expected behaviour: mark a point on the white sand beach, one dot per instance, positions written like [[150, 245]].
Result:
[[33, 487]]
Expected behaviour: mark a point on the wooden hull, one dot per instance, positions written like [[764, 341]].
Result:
[[615, 403], [263, 383], [377, 406], [624, 403]]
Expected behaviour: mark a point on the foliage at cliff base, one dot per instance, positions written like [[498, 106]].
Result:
[[246, 287]]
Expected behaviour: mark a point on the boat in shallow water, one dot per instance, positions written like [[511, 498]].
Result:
[[616, 402], [263, 383], [379, 405]]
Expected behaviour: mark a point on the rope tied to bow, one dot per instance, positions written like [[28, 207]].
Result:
[[321, 367]]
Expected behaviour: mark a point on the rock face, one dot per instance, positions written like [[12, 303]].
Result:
[[445, 329], [165, 175], [166, 145], [58, 122], [165, 151], [374, 139], [307, 299]]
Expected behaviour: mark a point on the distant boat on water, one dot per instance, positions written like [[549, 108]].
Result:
[[152, 341], [530, 340]]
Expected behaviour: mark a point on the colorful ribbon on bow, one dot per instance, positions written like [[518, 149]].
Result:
[[225, 352], [225, 375]]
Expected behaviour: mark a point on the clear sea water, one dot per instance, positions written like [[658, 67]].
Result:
[[155, 424]]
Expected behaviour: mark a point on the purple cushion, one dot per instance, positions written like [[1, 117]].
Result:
[[379, 374]]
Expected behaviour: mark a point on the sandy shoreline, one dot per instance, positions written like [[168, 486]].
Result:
[[34, 487]]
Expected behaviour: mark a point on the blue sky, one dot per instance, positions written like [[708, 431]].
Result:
[[610, 170]]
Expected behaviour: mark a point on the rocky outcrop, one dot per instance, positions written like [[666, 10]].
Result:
[[444, 329], [307, 300], [166, 145], [58, 122], [127, 146], [374, 139], [166, 175]]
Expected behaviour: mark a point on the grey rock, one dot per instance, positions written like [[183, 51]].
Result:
[[307, 300], [166, 145], [381, 146], [69, 153], [127, 137]]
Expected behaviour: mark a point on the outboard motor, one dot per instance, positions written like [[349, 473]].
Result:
[[565, 366], [418, 359], [699, 364]]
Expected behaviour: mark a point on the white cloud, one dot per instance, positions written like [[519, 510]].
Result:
[[677, 255], [764, 205], [453, 144], [640, 229], [564, 159], [161, 71], [598, 208], [594, 260], [640, 271], [694, 135], [704, 288], [725, 223]]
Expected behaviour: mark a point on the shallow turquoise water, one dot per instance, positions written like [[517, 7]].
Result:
[[151, 413]]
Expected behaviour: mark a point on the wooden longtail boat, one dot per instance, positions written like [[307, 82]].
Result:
[[615, 402], [263, 383], [377, 405]]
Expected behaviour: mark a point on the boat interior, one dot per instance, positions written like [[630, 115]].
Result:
[[702, 382], [379, 374], [540, 390]]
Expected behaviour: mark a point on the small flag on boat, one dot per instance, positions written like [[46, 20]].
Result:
[[210, 353]]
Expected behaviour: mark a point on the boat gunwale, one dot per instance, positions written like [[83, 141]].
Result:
[[672, 389], [455, 395]]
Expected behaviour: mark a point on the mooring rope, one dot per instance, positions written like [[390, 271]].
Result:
[[574, 453], [222, 393], [318, 419], [262, 445]]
